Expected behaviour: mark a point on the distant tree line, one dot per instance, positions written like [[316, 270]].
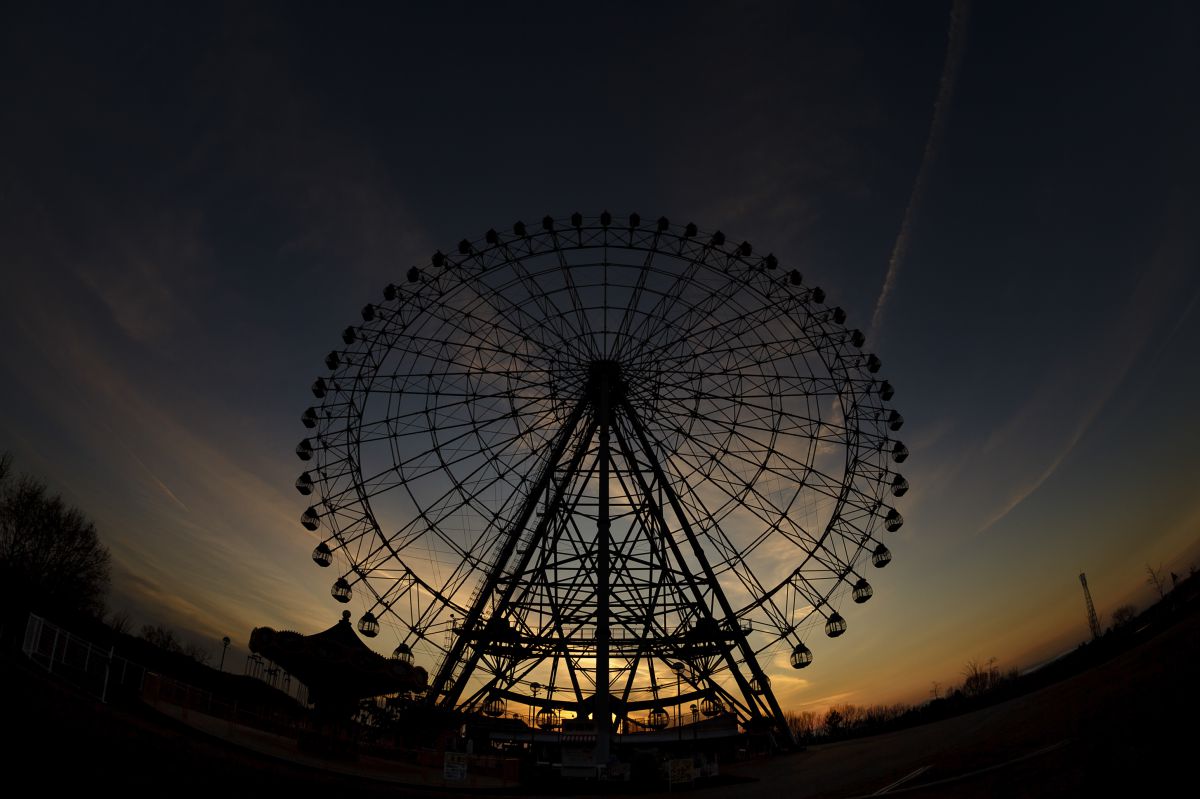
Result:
[[848, 720], [165, 639], [843, 720], [984, 683]]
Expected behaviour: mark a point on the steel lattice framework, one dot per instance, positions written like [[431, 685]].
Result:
[[568, 466]]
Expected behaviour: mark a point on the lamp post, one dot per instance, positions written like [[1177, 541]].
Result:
[[225, 642], [677, 667]]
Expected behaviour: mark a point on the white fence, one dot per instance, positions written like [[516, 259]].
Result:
[[79, 662]]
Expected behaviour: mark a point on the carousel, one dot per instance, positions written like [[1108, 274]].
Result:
[[340, 671]]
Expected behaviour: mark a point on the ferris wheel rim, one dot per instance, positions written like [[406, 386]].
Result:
[[493, 242]]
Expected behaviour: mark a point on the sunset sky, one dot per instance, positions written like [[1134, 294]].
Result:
[[195, 203]]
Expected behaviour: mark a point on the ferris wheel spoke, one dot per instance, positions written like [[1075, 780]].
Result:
[[577, 304], [696, 331], [464, 432], [751, 452], [631, 307], [516, 311], [809, 474], [566, 330], [494, 337], [771, 519], [655, 322], [806, 473], [767, 354], [409, 421], [711, 297], [678, 376], [379, 483], [430, 520]]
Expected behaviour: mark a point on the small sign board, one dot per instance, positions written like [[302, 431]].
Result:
[[455, 766], [680, 770]]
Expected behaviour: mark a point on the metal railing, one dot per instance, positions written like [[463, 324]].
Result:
[[105, 675], [160, 690], [96, 670]]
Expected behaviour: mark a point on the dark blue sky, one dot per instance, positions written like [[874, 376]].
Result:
[[196, 201]]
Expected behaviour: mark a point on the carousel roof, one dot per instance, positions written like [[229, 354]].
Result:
[[335, 662]]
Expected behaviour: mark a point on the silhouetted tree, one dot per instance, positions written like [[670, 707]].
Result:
[[1123, 615], [197, 653], [980, 678], [803, 724], [852, 716], [875, 717], [1154, 579], [162, 637], [833, 722], [118, 622], [51, 558], [165, 639]]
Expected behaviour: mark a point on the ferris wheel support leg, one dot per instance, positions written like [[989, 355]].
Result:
[[453, 693], [606, 388], [747, 652], [656, 511], [471, 624], [501, 684]]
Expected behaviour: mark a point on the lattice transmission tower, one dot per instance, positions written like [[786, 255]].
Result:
[[1093, 619]]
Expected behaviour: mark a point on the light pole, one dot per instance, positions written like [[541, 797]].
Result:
[[225, 642], [678, 669]]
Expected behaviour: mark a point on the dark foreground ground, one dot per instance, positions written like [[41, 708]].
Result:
[[1126, 727]]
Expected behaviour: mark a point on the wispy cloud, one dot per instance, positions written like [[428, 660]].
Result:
[[826, 701], [1026, 489], [955, 48], [166, 491], [1088, 383], [142, 268], [236, 558], [143, 387]]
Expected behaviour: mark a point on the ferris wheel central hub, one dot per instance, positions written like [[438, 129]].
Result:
[[604, 381]]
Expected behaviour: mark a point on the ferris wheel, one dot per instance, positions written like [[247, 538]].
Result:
[[603, 467]]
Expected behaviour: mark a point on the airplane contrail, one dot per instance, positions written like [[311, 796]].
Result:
[[941, 109]]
